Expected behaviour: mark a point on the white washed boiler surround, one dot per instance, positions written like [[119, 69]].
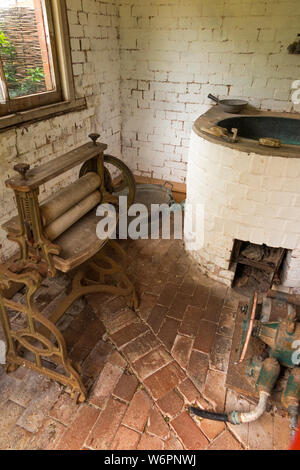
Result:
[[247, 196]]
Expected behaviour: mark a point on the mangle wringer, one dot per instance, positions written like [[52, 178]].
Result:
[[265, 358], [60, 234]]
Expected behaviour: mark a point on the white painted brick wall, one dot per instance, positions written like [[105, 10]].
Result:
[[175, 52], [146, 67], [239, 205], [95, 55]]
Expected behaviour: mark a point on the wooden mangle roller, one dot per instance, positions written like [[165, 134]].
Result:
[[67, 206], [60, 234]]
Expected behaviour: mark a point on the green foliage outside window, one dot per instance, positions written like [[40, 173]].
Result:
[[33, 82]]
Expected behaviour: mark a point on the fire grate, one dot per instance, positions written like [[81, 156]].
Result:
[[257, 267]]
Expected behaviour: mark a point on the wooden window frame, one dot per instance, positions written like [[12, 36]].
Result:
[[40, 106]]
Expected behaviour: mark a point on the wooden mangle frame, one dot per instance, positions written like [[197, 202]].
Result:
[[41, 257]]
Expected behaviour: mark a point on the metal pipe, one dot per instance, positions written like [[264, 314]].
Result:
[[236, 417]]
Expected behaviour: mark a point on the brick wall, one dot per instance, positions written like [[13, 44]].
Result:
[[174, 52], [19, 26], [95, 57], [146, 68]]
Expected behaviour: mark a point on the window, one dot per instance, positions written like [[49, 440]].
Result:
[[35, 64]]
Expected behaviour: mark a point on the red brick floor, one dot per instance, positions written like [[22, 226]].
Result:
[[142, 369]]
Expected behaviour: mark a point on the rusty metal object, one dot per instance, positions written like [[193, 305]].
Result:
[[268, 142], [282, 296], [250, 329], [222, 132], [39, 258]]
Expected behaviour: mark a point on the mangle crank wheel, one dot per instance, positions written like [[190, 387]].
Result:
[[125, 184]]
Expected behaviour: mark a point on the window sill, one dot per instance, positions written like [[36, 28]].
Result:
[[39, 114]]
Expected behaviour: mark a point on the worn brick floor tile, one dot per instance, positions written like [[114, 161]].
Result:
[[167, 295], [200, 297], [215, 390], [151, 362], [211, 428], [25, 390], [205, 336], [126, 387], [179, 306], [21, 373], [47, 436], [225, 441], [96, 360], [157, 317], [7, 386], [189, 433], [188, 287], [168, 332], [219, 290], [282, 440], [261, 433], [77, 433], [16, 439], [157, 425], [148, 442], [138, 411], [105, 384], [189, 391], [106, 307], [119, 320], [43, 401], [171, 404], [172, 443], [182, 349], [154, 287], [107, 425], [232, 300], [117, 360], [148, 301], [226, 323], [10, 412], [198, 367], [236, 403], [191, 321], [125, 439], [164, 380], [65, 409], [140, 346], [88, 340], [129, 333], [213, 309], [73, 333], [220, 353]]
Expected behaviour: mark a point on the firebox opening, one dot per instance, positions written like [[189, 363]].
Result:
[[257, 267]]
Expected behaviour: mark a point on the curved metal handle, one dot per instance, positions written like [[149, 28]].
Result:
[[212, 97], [22, 169]]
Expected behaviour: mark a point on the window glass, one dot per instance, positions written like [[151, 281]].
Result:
[[25, 50]]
